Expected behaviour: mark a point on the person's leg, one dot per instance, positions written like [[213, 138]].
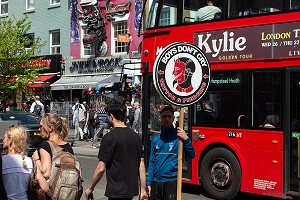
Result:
[[156, 191], [95, 139], [90, 132], [80, 130], [97, 134], [76, 125], [170, 190]]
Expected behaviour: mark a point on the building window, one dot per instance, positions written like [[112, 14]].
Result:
[[54, 2], [4, 7], [119, 28], [88, 49], [55, 42], [29, 42], [29, 4]]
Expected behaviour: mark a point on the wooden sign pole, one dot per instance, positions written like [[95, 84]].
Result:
[[180, 148]]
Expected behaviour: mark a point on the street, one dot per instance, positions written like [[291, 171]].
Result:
[[88, 158]]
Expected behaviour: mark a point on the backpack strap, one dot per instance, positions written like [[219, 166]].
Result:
[[55, 149]]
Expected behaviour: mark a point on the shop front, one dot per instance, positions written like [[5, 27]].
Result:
[[41, 86], [92, 79]]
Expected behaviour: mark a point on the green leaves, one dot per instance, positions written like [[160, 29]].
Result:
[[16, 70]]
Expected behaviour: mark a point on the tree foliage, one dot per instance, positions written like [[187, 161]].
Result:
[[16, 70]]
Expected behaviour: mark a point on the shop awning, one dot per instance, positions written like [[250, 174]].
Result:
[[77, 82], [42, 81], [111, 80]]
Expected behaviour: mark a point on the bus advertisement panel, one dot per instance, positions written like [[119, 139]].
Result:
[[246, 128]]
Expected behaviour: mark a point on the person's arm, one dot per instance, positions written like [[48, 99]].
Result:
[[42, 181], [43, 162], [151, 167], [73, 108], [142, 171], [43, 110], [32, 107], [83, 108], [187, 143], [87, 118], [98, 173]]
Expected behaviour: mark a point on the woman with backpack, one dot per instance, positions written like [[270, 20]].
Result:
[[55, 130]]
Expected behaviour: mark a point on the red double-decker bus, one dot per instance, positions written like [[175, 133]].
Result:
[[246, 129]]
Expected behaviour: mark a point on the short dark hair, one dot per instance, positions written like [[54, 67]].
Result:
[[116, 108], [167, 108], [76, 99], [212, 1], [127, 103]]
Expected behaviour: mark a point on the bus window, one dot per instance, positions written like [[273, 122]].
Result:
[[267, 100], [168, 13], [190, 10], [207, 10], [152, 14], [225, 103], [238, 8], [294, 4]]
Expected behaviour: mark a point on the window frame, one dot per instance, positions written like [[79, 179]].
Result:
[[83, 49], [51, 42], [54, 4], [3, 4], [27, 4], [114, 36]]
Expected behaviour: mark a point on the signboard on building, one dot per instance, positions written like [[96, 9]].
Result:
[[99, 65]]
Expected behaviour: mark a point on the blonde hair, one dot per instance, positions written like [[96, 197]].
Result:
[[18, 137], [59, 124]]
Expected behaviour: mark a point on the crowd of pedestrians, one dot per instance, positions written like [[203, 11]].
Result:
[[120, 153]]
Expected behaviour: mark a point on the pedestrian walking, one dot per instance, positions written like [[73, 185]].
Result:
[[120, 155], [56, 161], [16, 167], [129, 114], [100, 123], [53, 128], [37, 108], [137, 120], [163, 162], [78, 112], [90, 122]]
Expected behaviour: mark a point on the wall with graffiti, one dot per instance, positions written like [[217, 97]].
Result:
[[99, 16]]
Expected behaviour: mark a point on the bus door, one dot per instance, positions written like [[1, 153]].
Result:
[[292, 132]]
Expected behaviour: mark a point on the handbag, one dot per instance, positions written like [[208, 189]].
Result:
[[34, 189], [81, 115], [85, 129]]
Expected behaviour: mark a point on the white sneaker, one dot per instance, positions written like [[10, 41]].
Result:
[[94, 147]]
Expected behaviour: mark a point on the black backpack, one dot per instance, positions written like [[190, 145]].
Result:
[[37, 110], [131, 115]]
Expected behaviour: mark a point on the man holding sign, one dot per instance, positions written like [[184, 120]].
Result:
[[163, 163]]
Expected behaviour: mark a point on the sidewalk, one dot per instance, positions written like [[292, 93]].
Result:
[[84, 148]]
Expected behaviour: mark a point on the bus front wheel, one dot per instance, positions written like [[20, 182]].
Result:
[[220, 174]]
